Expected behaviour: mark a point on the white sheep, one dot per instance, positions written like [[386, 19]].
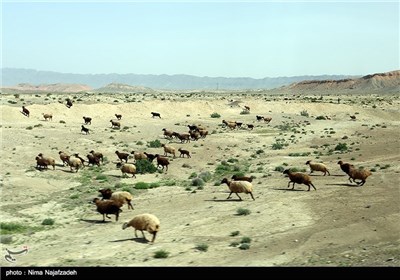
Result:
[[239, 187], [318, 167], [127, 168], [138, 155], [147, 222], [168, 150], [75, 162], [121, 197]]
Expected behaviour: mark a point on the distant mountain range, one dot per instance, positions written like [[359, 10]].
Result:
[[11, 77]]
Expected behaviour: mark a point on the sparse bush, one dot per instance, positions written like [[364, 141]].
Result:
[[161, 254], [144, 166], [139, 143], [245, 112], [5, 239], [304, 113], [235, 233], [8, 228], [62, 121], [145, 186], [277, 146], [48, 222], [154, 144], [234, 244], [205, 176], [279, 168], [101, 177], [202, 247], [245, 240], [341, 147], [215, 115], [244, 246], [243, 212], [29, 128], [193, 175], [197, 182], [320, 118]]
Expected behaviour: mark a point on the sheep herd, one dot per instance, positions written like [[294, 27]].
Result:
[[111, 203]]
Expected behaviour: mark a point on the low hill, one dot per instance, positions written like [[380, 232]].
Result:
[[387, 82], [123, 88], [59, 87]]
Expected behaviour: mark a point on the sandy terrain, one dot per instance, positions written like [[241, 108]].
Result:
[[340, 224]]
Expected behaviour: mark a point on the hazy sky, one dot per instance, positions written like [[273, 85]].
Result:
[[231, 39]]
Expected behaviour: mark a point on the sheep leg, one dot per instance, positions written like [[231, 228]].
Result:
[[229, 196], [293, 186], [107, 216], [136, 233], [104, 219], [129, 205], [350, 180], [144, 237], [154, 237], [238, 196], [166, 168], [362, 183], [252, 196], [288, 185]]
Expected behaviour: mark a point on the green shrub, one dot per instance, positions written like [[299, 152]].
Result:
[[202, 247], [62, 121], [144, 166], [304, 113], [243, 212], [277, 146], [154, 144], [245, 240], [234, 244], [6, 239], [245, 112], [197, 182], [205, 176], [215, 115], [244, 246], [341, 147], [193, 175], [8, 228], [235, 233], [279, 168], [145, 186], [48, 222], [161, 254], [320, 118]]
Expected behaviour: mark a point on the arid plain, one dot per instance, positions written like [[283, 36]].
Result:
[[339, 224]]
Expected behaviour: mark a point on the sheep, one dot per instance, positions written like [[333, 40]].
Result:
[[69, 103], [167, 133], [44, 162], [106, 207], [147, 222], [118, 116], [84, 129], [193, 127], [164, 162], [98, 155], [299, 178], [150, 157], [242, 178], [259, 118], [47, 116], [359, 174], [139, 155], [122, 156], [81, 159], [25, 111], [345, 167], [87, 120], [250, 126], [64, 157], [194, 134], [203, 132], [168, 150], [154, 114], [184, 152], [182, 136], [318, 167], [121, 196], [267, 119], [127, 168], [238, 187], [93, 159], [239, 124], [230, 124], [115, 124], [75, 162]]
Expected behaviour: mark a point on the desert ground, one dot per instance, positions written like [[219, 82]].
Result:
[[339, 224]]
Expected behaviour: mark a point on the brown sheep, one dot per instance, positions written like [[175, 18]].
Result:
[[106, 207], [299, 178], [184, 152]]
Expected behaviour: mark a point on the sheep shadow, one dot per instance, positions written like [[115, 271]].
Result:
[[290, 189], [136, 239], [94, 221], [345, 185], [224, 200]]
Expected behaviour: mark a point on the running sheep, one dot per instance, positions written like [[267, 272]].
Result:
[[147, 222], [299, 178], [318, 167], [238, 187]]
